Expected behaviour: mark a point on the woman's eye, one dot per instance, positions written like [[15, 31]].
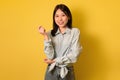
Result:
[[63, 15], [56, 16]]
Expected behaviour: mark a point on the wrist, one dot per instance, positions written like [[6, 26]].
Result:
[[45, 36]]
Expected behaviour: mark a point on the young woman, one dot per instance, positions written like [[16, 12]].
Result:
[[61, 45]]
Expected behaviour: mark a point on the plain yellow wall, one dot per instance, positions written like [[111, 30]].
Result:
[[21, 46]]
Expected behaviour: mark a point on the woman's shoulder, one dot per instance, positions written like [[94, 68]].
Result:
[[75, 30]]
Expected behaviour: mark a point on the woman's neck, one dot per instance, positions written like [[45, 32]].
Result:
[[62, 30]]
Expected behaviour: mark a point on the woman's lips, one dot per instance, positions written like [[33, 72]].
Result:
[[60, 23]]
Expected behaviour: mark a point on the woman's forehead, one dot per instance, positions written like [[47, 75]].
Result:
[[59, 11]]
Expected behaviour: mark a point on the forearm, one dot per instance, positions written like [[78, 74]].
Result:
[[48, 47]]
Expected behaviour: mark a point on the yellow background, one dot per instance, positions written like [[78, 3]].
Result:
[[21, 45]]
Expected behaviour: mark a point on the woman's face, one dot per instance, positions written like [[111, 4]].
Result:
[[60, 18]]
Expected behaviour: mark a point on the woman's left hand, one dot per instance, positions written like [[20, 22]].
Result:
[[49, 61]]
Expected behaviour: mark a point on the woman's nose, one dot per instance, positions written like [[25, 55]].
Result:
[[60, 18]]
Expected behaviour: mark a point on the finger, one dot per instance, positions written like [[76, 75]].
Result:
[[40, 27], [45, 59], [47, 62]]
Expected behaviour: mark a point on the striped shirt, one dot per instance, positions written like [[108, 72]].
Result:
[[64, 48]]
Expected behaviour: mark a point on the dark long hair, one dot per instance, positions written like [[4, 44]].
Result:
[[67, 12]]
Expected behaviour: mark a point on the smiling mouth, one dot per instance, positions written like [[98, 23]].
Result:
[[60, 23]]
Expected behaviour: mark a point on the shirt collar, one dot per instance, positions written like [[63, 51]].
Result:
[[67, 31]]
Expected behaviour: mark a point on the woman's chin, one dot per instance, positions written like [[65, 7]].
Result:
[[61, 26]]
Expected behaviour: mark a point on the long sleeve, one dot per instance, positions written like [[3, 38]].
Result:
[[48, 48]]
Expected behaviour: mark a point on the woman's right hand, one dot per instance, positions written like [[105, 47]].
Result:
[[42, 30]]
